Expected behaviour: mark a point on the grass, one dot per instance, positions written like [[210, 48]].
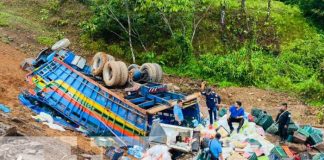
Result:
[[45, 27], [46, 40], [4, 22]]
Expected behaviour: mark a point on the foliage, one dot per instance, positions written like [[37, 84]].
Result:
[[4, 22], [283, 52], [46, 40], [313, 9]]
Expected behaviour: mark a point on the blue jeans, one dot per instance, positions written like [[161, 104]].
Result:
[[212, 111]]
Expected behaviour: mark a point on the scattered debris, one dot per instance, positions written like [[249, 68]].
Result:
[[4, 108]]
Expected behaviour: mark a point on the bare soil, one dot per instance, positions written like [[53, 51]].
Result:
[[11, 81]]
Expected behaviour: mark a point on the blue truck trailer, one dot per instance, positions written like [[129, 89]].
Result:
[[63, 82]]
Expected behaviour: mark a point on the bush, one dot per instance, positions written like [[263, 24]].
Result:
[[311, 89]]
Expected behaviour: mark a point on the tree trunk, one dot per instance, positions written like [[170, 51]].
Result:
[[130, 33], [243, 5], [269, 10], [195, 25]]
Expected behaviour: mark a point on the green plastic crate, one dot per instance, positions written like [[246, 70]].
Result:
[[253, 142], [277, 150], [315, 138], [318, 156], [256, 112], [222, 112], [253, 157], [292, 127], [266, 122], [273, 129], [303, 132], [258, 119], [309, 129]]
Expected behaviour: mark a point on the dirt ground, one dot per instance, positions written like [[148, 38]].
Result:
[[11, 81], [253, 97]]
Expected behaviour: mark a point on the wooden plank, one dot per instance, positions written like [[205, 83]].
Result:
[[160, 108]]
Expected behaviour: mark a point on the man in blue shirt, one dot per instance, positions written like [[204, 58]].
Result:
[[212, 101], [177, 111], [236, 115], [215, 148]]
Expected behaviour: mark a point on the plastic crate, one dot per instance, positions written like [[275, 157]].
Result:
[[222, 112], [299, 138], [253, 157], [303, 132], [273, 129], [259, 118], [277, 150], [318, 156], [315, 138], [309, 129], [256, 112], [292, 127], [266, 122]]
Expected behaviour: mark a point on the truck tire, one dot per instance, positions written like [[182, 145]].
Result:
[[98, 62], [123, 73], [149, 72], [63, 43], [133, 66], [110, 57], [159, 72], [111, 73]]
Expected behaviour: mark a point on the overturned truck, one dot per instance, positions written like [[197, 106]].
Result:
[[110, 106]]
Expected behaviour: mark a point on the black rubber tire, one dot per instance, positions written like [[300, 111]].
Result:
[[111, 73], [149, 72], [123, 73], [159, 72], [98, 62]]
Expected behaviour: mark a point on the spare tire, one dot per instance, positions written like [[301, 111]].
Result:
[[110, 57], [63, 43], [123, 73], [159, 72], [111, 73], [98, 62], [149, 72]]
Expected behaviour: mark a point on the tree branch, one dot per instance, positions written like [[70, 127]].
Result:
[[197, 24]]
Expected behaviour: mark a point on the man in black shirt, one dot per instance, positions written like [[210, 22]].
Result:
[[283, 119]]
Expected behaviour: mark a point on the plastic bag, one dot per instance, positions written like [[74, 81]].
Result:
[[157, 152]]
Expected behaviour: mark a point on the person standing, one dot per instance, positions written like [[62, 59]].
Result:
[[215, 148], [236, 115], [212, 101], [178, 114], [283, 120]]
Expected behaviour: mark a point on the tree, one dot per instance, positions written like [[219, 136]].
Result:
[[117, 17], [269, 10]]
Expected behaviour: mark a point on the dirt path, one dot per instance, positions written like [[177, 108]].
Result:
[[11, 80]]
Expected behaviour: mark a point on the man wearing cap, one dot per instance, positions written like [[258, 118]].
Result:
[[178, 114], [212, 102], [283, 119]]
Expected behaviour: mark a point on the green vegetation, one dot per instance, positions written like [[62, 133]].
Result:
[[228, 43], [314, 9], [48, 41], [4, 20]]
